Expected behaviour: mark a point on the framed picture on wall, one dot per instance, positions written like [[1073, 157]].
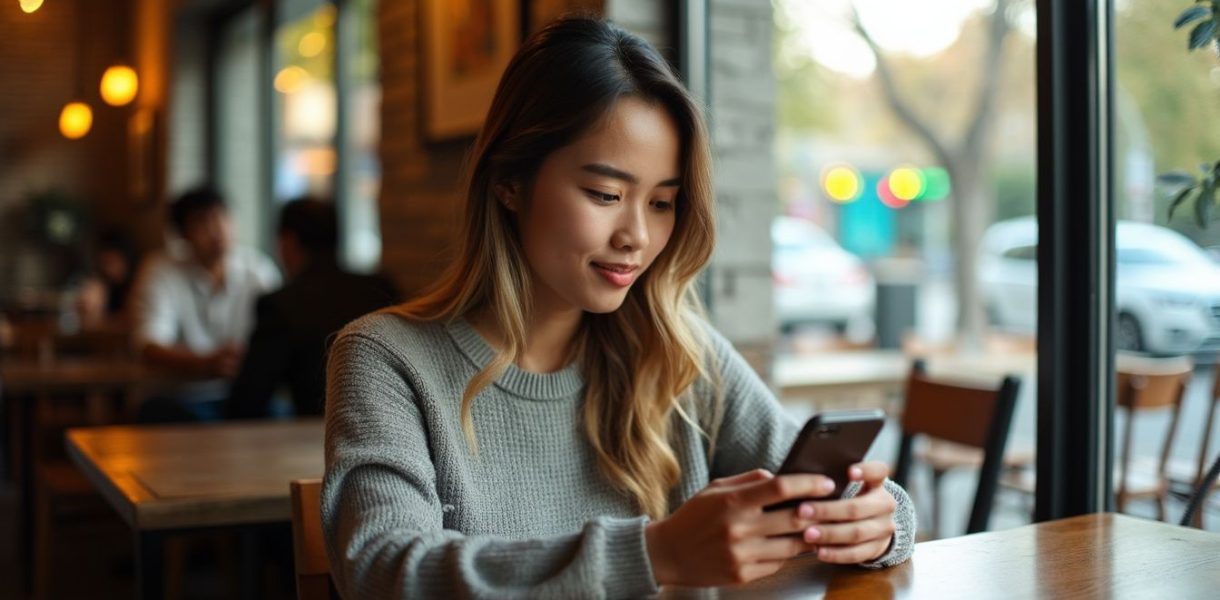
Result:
[[466, 45]]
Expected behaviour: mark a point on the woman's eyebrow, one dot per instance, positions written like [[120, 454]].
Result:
[[609, 171]]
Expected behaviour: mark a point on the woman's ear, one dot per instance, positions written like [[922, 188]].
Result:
[[507, 194]]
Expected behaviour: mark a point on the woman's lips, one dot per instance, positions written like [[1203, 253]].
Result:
[[618, 275]]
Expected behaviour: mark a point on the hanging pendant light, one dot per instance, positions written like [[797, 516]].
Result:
[[76, 117], [119, 85], [75, 120], [29, 6]]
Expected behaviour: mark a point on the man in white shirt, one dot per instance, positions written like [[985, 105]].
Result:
[[194, 309]]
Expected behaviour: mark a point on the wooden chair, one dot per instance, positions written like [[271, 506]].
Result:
[[308, 545], [966, 414], [64, 497], [1141, 390], [1192, 477]]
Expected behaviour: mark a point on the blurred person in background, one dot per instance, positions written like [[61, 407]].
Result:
[[194, 310], [292, 325], [104, 296]]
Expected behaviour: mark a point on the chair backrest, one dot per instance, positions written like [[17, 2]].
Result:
[[965, 413], [1150, 387], [308, 545]]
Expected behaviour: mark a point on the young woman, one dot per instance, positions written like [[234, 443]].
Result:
[[556, 418]]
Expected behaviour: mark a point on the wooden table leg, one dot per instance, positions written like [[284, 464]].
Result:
[[150, 564], [25, 477]]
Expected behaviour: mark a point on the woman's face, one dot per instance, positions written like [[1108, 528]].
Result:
[[601, 209]]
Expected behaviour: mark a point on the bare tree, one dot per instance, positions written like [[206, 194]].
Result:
[[966, 159]]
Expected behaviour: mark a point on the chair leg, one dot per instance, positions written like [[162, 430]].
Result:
[[1160, 507], [937, 476], [42, 542]]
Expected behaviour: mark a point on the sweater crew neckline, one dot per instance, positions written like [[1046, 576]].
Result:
[[515, 380]]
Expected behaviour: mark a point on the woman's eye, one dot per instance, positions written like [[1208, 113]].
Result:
[[602, 196], [663, 205]]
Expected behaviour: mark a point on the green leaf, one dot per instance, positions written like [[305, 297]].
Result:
[[1193, 13], [1175, 179], [1202, 208], [1203, 204], [1202, 34], [1179, 199]]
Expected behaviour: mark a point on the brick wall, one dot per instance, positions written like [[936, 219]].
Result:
[[420, 199]]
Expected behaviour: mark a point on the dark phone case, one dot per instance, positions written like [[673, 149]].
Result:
[[829, 444]]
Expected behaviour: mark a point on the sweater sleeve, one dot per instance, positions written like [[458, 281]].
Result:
[[754, 431], [382, 516]]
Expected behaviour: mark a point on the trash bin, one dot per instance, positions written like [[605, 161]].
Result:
[[897, 286]]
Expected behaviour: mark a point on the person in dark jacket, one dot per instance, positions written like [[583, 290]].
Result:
[[292, 325]]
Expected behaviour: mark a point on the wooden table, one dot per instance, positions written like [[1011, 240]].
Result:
[[1093, 556], [170, 479], [28, 384]]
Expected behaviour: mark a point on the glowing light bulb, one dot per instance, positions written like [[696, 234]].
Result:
[[939, 185], [290, 79], [119, 85], [75, 120], [311, 44], [906, 183], [29, 6], [841, 183]]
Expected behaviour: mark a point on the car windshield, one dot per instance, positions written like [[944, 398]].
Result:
[[1159, 250], [1138, 245]]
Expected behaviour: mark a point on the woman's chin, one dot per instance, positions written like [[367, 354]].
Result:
[[605, 305]]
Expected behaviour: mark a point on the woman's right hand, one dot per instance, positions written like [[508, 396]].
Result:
[[722, 535]]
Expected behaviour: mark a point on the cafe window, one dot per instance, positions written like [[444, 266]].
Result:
[[237, 124], [906, 139], [1167, 303], [319, 132]]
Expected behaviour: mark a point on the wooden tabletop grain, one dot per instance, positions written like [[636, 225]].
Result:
[[183, 476], [1092, 556]]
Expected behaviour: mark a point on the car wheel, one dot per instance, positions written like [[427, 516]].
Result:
[[1128, 335]]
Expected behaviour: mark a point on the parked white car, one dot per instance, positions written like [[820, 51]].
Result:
[[816, 280], [1167, 296]]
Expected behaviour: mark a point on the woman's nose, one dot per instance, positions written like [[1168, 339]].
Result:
[[632, 230]]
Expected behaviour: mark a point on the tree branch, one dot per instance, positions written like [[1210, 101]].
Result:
[[899, 105], [990, 77]]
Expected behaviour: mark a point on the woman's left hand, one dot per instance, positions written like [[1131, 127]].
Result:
[[856, 529]]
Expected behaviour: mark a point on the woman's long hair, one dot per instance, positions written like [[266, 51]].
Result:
[[639, 362]]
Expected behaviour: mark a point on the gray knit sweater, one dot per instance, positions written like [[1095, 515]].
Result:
[[409, 511]]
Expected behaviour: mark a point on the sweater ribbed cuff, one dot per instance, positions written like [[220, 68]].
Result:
[[629, 570], [902, 545]]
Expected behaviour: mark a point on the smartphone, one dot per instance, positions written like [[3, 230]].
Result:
[[830, 443]]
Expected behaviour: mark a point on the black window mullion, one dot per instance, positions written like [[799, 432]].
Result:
[[1076, 258]]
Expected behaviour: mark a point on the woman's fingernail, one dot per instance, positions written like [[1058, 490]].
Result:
[[828, 486], [812, 535], [856, 472], [805, 511]]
